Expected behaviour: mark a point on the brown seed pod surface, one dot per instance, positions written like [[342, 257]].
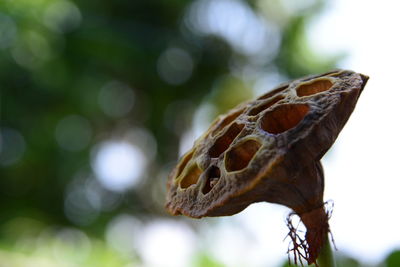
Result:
[[268, 149]]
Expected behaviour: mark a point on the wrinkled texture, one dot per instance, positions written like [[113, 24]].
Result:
[[269, 150], [266, 149]]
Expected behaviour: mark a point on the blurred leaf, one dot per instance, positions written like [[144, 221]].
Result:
[[346, 261], [228, 92], [205, 260], [296, 58], [393, 260]]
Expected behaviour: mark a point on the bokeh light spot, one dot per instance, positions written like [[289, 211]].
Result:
[[235, 22], [116, 99], [122, 232], [165, 243], [32, 49], [62, 16], [8, 31], [100, 198], [12, 146], [144, 140], [73, 133], [175, 66], [77, 206], [118, 165], [71, 245]]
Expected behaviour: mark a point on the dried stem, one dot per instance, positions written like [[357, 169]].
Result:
[[314, 246]]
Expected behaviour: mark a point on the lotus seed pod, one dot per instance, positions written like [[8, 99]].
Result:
[[269, 149]]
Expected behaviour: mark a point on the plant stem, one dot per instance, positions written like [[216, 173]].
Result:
[[325, 258]]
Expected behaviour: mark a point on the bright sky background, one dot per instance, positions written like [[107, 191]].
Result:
[[362, 174]]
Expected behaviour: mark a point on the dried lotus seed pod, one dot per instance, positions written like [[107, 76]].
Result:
[[269, 149]]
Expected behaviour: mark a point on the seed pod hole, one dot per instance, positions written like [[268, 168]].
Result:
[[272, 93], [185, 159], [225, 140], [191, 177], [213, 175], [264, 106], [240, 156], [226, 121], [315, 87], [283, 118]]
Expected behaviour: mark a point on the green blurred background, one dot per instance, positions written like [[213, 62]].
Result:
[[100, 98]]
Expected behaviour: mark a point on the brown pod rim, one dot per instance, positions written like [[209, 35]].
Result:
[[258, 150]]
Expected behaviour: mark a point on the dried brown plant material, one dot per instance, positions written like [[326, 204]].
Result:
[[269, 149]]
